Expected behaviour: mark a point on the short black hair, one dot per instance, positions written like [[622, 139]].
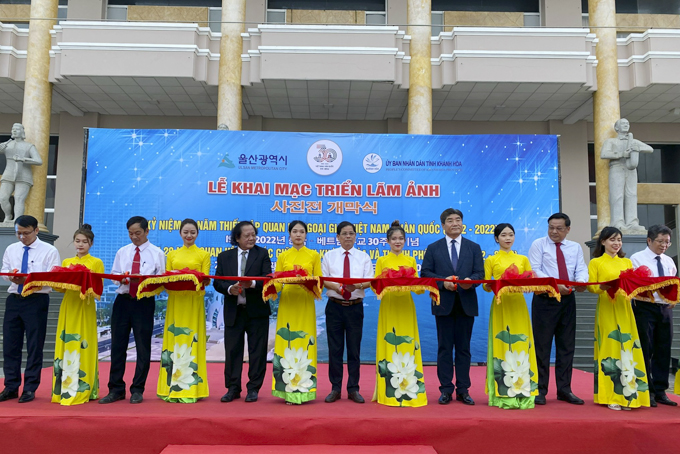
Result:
[[567, 221], [141, 220], [294, 223], [238, 228], [658, 229], [500, 227], [344, 224], [448, 212], [605, 234], [26, 221]]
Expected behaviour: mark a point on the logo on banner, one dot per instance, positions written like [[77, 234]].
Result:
[[372, 163], [324, 157]]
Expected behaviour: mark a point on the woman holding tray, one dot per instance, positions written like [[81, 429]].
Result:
[[76, 352], [183, 375], [294, 377], [620, 376], [399, 364], [511, 373]]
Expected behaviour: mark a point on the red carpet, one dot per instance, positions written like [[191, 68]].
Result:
[[43, 427], [279, 449]]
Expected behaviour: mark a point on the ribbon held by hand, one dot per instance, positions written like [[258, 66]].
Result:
[[404, 279], [298, 275]]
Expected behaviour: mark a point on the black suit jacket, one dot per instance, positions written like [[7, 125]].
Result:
[[258, 264], [437, 263]]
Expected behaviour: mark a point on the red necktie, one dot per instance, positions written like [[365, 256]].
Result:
[[345, 273], [134, 283], [561, 263]]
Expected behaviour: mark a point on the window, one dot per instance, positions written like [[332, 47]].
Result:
[[437, 22], [117, 13], [532, 19], [215, 19], [276, 16]]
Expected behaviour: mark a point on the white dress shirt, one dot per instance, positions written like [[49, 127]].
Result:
[[360, 266], [41, 257], [543, 259], [241, 298], [648, 259], [458, 240], [151, 261]]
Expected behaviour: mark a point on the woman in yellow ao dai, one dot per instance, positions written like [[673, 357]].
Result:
[[620, 376], [511, 372], [76, 352], [294, 371], [399, 364], [183, 376]]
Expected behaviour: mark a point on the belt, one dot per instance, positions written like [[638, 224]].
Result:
[[346, 302]]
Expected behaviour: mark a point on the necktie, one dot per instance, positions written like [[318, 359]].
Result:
[[561, 263], [454, 255], [346, 273], [244, 259], [241, 298], [24, 267], [134, 283], [658, 266]]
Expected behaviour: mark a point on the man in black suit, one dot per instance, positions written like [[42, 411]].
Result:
[[245, 312], [454, 256]]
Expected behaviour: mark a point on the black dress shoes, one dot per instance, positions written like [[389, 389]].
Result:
[[465, 398], [332, 397], [111, 398], [570, 398], [539, 400], [356, 397], [652, 402], [664, 400], [231, 395], [251, 396], [445, 398], [28, 396], [136, 398], [6, 394]]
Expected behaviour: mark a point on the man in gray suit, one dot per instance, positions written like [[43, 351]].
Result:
[[454, 256]]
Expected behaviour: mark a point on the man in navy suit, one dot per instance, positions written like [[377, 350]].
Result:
[[454, 256]]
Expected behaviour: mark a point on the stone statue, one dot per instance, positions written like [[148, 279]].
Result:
[[623, 153], [18, 175]]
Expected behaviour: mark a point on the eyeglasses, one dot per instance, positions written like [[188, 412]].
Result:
[[25, 234], [663, 243], [557, 229]]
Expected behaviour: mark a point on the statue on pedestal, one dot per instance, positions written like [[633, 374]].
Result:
[[623, 153], [17, 177]]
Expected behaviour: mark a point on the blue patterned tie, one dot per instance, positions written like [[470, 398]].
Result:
[[24, 266], [454, 255], [658, 266]]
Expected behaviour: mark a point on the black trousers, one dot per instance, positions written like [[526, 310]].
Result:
[[257, 330], [24, 315], [655, 328], [454, 330], [551, 318], [344, 325], [136, 315]]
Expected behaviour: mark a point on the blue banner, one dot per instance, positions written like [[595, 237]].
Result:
[[221, 177]]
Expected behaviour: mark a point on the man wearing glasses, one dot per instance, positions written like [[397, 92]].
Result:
[[345, 310], [555, 256], [25, 314], [655, 319]]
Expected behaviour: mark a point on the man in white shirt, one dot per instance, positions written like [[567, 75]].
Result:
[[655, 320], [132, 313], [25, 314], [555, 256], [345, 310]]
